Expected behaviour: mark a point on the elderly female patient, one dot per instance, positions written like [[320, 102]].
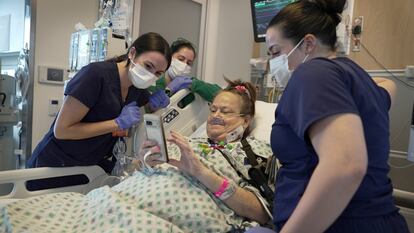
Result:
[[197, 191], [231, 113]]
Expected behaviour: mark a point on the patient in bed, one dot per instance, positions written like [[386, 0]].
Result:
[[202, 189]]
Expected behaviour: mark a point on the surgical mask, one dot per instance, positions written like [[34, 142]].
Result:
[[178, 68], [279, 67], [140, 77], [235, 134]]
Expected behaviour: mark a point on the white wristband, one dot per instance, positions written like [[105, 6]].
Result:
[[229, 191]]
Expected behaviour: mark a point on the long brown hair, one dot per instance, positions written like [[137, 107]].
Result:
[[150, 41]]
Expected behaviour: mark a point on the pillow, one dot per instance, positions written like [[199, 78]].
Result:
[[263, 120], [262, 123]]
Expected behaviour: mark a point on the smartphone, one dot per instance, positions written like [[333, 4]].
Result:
[[155, 131]]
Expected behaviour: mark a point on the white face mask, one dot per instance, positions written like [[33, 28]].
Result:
[[279, 67], [178, 68], [140, 77], [235, 134]]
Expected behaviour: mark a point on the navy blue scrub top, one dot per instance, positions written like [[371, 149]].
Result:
[[97, 86], [320, 88]]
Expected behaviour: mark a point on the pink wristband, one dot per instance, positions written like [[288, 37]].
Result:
[[222, 188]]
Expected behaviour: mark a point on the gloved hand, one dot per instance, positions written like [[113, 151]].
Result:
[[179, 83], [129, 116], [158, 100]]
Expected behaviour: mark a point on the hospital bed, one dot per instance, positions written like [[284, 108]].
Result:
[[188, 120], [182, 118]]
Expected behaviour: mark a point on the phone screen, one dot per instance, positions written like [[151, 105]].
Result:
[[155, 132]]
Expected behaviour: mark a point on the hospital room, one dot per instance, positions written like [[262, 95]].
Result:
[[252, 116]]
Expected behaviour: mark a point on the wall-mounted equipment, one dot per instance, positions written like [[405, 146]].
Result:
[[52, 75], [262, 12], [93, 45], [9, 118]]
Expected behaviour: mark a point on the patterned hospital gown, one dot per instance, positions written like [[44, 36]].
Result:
[[167, 201]]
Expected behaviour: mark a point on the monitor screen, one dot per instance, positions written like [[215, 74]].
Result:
[[262, 12]]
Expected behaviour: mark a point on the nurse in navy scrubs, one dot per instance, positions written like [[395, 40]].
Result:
[[103, 97], [331, 133]]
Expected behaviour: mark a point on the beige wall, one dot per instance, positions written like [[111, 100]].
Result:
[[55, 21], [388, 33]]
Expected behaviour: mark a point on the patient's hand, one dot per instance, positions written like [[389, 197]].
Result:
[[151, 147], [188, 161]]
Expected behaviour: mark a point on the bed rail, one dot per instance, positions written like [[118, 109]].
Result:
[[18, 178]]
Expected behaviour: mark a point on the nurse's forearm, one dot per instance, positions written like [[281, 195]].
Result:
[[84, 130]]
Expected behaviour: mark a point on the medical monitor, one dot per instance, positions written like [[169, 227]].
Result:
[[262, 12]]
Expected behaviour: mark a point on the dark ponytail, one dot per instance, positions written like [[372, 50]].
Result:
[[317, 17], [145, 43], [182, 43]]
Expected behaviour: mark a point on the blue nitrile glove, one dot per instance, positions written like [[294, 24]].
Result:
[[129, 116], [158, 100], [179, 83]]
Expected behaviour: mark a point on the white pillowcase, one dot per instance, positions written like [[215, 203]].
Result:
[[263, 120], [262, 123]]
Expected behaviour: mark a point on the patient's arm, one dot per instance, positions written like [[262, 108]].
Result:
[[243, 202]]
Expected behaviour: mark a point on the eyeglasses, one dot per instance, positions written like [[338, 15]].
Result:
[[223, 112]]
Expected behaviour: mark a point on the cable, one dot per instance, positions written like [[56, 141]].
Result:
[[4, 98], [401, 167], [400, 131], [382, 66], [147, 168]]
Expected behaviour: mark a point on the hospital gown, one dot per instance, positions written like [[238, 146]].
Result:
[[167, 201]]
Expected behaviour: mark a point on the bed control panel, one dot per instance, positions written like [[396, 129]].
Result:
[[170, 116]]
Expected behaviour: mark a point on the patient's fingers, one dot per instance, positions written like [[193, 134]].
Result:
[[149, 143], [175, 163], [178, 138]]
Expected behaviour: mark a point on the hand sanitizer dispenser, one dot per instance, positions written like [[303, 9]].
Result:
[[410, 152]]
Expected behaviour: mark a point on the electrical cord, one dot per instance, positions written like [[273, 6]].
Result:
[[4, 98], [147, 168], [383, 67], [401, 167], [403, 82], [400, 131]]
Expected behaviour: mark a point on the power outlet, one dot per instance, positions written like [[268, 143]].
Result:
[[357, 28], [270, 81]]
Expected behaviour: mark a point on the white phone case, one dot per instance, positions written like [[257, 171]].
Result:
[[155, 131]]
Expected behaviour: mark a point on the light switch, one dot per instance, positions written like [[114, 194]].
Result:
[[53, 107]]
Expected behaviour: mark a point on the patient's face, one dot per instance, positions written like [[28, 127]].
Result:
[[225, 116]]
